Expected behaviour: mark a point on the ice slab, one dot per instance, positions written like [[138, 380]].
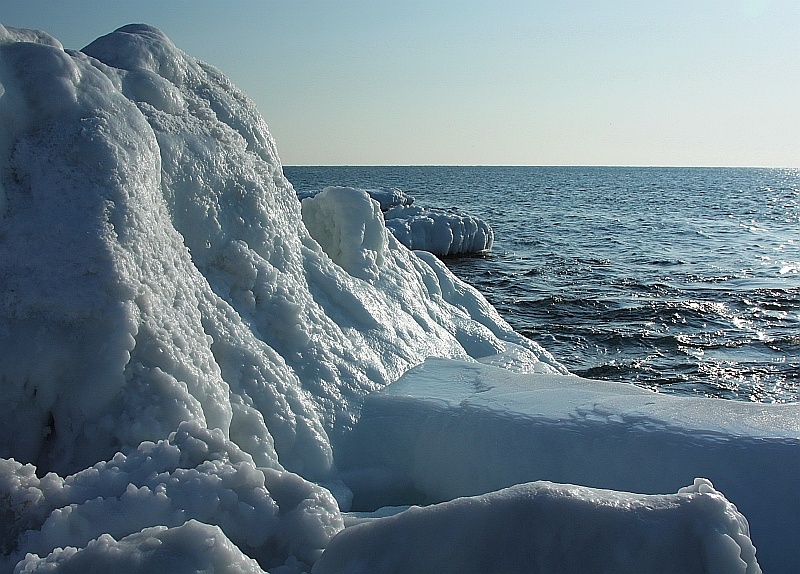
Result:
[[452, 428], [546, 527]]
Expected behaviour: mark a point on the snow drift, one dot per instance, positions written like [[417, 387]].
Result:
[[184, 348]]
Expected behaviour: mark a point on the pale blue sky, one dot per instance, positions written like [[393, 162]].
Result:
[[489, 82]]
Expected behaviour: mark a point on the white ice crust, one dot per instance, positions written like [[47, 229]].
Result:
[[440, 231], [444, 232], [185, 350], [546, 527]]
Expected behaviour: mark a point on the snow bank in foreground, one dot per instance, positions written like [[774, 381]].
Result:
[[194, 475], [439, 231], [545, 527], [188, 549]]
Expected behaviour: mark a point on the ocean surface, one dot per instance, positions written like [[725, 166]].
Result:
[[685, 280]]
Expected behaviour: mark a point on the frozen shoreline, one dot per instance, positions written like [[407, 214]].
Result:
[[187, 353]]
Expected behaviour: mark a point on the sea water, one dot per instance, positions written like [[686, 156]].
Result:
[[684, 280]]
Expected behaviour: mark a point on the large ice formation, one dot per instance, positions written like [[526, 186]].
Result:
[[185, 351]]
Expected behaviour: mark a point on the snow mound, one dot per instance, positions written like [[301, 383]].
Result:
[[187, 549], [545, 527], [449, 428], [387, 197], [155, 269]]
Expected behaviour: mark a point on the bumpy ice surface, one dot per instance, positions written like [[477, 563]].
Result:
[[185, 351], [440, 231]]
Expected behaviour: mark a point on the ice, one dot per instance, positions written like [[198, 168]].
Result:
[[440, 231], [443, 232], [187, 549], [194, 475], [387, 197], [449, 428], [154, 259], [349, 227], [191, 360], [546, 527]]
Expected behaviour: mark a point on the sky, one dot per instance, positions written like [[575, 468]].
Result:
[[525, 82]]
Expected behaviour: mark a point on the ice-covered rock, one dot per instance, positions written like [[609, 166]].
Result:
[[155, 269]]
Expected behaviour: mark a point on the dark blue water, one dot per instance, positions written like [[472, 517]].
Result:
[[682, 279]]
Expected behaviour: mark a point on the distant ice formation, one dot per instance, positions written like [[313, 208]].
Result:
[[440, 231], [190, 358]]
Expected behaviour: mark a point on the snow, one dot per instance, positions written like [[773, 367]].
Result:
[[349, 227], [443, 232], [187, 549], [194, 475], [387, 197], [191, 360]]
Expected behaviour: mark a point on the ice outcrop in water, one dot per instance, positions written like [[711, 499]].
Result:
[[440, 231]]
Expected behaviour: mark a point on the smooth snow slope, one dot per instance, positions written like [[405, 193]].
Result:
[[189, 349]]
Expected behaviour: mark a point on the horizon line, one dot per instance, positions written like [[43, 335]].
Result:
[[539, 165]]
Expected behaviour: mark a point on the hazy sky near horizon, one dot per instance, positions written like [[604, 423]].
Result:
[[526, 82]]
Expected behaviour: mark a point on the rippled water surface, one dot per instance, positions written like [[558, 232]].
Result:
[[681, 279]]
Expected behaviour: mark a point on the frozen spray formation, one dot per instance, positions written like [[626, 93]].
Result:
[[440, 231], [156, 269], [183, 347]]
